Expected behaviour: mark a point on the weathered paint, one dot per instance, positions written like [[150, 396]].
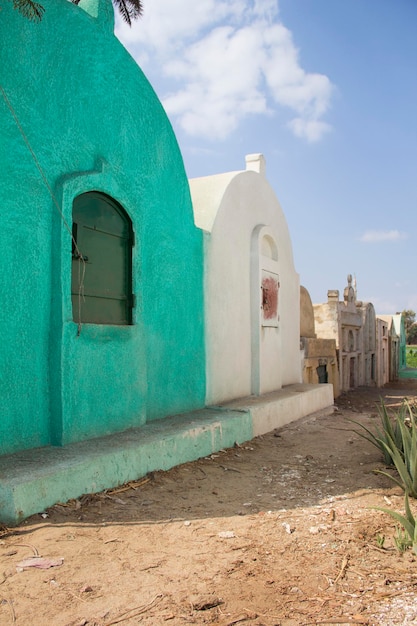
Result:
[[352, 324], [94, 123], [270, 287], [59, 474], [383, 348], [32, 480], [317, 354]]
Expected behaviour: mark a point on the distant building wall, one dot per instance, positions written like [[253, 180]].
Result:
[[307, 328], [396, 341], [319, 357], [368, 376], [382, 341], [352, 325]]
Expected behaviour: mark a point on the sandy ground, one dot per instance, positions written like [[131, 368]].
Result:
[[278, 531]]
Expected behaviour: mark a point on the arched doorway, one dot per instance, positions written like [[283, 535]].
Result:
[[266, 341]]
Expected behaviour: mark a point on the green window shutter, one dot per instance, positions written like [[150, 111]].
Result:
[[102, 282]]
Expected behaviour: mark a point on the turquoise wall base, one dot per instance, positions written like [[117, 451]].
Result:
[[408, 372], [33, 480]]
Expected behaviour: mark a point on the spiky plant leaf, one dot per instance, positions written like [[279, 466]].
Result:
[[409, 513], [409, 522], [399, 518], [388, 427], [374, 439], [408, 479], [397, 440]]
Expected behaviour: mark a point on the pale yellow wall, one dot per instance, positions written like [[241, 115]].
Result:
[[306, 314]]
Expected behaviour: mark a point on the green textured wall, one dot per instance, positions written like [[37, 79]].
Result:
[[94, 123]]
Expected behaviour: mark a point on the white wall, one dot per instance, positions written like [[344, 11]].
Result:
[[243, 357]]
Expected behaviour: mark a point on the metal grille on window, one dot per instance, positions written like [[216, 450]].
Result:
[[101, 288]]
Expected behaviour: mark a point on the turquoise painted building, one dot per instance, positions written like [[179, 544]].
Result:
[[101, 267], [398, 324]]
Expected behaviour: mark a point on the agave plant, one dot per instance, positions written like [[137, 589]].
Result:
[[389, 431], [409, 522], [405, 457], [398, 443]]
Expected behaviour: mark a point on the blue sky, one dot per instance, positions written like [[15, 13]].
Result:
[[327, 91]]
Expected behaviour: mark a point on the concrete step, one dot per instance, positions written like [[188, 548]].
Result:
[[33, 480]]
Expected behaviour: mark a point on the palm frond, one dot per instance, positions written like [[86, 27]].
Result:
[[29, 9], [129, 9]]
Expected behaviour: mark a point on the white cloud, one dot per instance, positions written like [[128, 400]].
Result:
[[225, 60], [376, 236], [166, 27], [312, 130]]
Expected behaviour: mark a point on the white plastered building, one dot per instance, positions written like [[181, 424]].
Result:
[[252, 291]]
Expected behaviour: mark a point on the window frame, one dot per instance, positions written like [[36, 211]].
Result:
[[100, 225]]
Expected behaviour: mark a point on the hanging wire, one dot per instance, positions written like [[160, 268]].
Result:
[[81, 276], [81, 273]]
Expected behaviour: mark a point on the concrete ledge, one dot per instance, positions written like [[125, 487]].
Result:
[[408, 372], [274, 410], [33, 480]]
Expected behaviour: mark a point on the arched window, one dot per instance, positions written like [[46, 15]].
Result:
[[101, 288]]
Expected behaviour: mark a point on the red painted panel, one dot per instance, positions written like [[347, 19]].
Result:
[[270, 286]]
